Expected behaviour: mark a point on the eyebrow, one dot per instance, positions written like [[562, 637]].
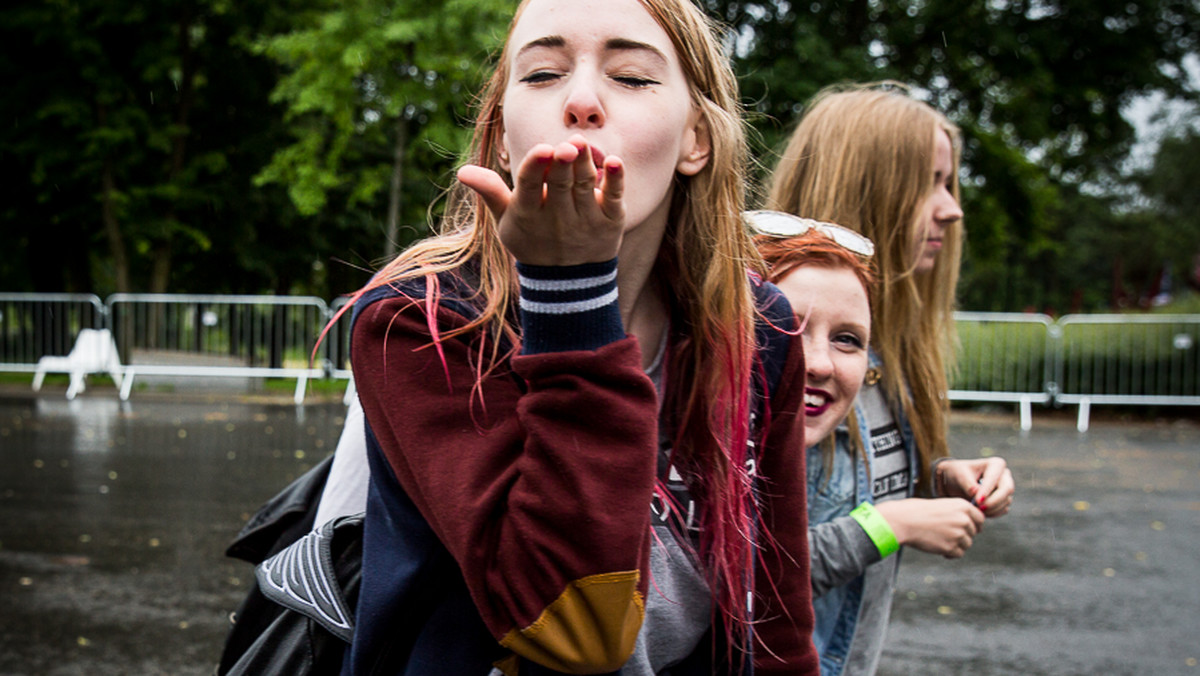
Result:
[[610, 45]]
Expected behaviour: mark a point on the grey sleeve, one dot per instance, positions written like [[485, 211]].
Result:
[[840, 551]]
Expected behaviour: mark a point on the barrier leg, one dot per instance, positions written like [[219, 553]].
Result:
[[127, 385], [301, 382], [1026, 414], [1085, 411]]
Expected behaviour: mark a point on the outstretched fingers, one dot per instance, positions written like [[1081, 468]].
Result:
[[565, 206], [612, 193], [488, 185], [570, 181], [533, 174], [583, 176]]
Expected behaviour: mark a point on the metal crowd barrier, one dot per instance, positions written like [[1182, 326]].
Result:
[[226, 336], [1143, 360], [36, 325], [338, 345], [1004, 357]]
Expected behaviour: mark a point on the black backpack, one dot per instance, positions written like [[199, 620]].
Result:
[[298, 618]]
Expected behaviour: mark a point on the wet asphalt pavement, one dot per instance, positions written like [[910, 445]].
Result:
[[1095, 571], [114, 518]]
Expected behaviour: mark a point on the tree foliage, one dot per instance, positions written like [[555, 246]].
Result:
[[376, 94], [205, 145], [131, 130], [1037, 87], [1172, 216]]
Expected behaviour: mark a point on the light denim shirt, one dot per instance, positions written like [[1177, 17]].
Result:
[[842, 554]]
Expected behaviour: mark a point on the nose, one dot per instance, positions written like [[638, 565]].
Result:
[[818, 366], [946, 210], [583, 107]]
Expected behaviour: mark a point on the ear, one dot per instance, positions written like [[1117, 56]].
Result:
[[502, 153], [696, 148]]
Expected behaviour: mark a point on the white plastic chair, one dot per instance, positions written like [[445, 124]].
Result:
[[95, 351]]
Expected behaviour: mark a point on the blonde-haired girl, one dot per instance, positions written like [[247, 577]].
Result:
[[876, 160], [582, 405]]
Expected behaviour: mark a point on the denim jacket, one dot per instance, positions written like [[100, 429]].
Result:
[[838, 570]]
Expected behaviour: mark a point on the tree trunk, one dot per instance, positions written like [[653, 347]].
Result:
[[160, 275], [160, 272], [112, 229], [395, 191]]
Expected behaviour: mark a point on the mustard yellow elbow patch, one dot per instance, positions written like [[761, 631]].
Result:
[[592, 626]]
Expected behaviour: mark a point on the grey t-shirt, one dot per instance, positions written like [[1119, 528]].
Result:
[[890, 480], [678, 608], [678, 600]]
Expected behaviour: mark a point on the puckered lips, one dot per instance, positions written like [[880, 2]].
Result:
[[597, 157]]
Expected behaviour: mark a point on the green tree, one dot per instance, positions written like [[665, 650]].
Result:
[[376, 93], [131, 131], [1172, 187], [1037, 87], [204, 145]]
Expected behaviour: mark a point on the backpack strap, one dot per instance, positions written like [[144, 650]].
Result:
[[283, 518], [302, 577]]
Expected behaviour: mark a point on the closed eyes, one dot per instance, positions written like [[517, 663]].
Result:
[[540, 77], [634, 81], [631, 81]]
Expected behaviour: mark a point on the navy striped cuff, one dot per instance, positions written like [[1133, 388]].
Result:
[[571, 307]]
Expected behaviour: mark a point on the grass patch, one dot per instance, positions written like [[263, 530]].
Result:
[[1146, 355], [314, 385], [10, 378], [1001, 356]]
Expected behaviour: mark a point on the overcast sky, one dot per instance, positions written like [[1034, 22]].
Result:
[[1153, 116]]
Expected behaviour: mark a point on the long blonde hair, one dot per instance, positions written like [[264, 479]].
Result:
[[861, 156], [704, 259]]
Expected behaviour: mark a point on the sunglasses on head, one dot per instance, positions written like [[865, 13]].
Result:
[[783, 225]]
